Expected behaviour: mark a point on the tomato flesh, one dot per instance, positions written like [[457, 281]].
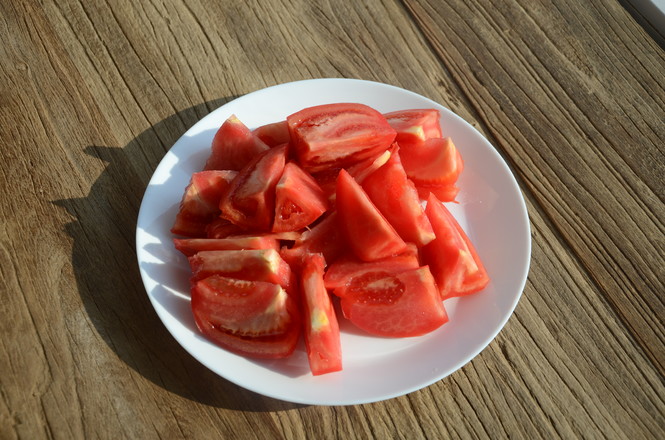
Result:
[[273, 134], [299, 200], [368, 233], [249, 201], [190, 246], [200, 202], [405, 304], [342, 271], [234, 146], [322, 338], [251, 265], [415, 125], [250, 318], [432, 162], [396, 198], [336, 135], [453, 259]]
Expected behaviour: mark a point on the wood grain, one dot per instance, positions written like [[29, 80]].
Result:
[[92, 94]]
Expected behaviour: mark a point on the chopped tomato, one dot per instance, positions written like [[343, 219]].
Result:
[[432, 162], [397, 199], [324, 238], [234, 146], [191, 246], [252, 265], [251, 318], [415, 125], [273, 134], [322, 339], [249, 201], [404, 304], [455, 264], [445, 193], [368, 233], [337, 135], [361, 170], [344, 269], [200, 202], [299, 200]]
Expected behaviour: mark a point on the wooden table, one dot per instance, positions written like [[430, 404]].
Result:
[[93, 94]]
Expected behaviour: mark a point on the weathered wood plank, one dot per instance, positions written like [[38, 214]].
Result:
[[574, 97]]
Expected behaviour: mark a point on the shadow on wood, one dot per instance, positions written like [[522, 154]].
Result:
[[106, 270]]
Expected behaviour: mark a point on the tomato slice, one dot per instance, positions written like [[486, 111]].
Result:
[[190, 246], [249, 201], [322, 338], [200, 202], [455, 264], [337, 135], [251, 318], [397, 199], [299, 200], [368, 233], [234, 146], [273, 134], [346, 268], [445, 193], [432, 162], [251, 265], [324, 238], [404, 304], [415, 125]]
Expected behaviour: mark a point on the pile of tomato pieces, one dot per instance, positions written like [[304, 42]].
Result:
[[328, 201]]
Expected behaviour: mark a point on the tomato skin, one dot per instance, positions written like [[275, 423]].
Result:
[[445, 193], [249, 202], [191, 246], [299, 200], [274, 134], [455, 264], [233, 146], [249, 318], [399, 305], [322, 338], [200, 202], [432, 162], [336, 135], [417, 125], [397, 199], [368, 233]]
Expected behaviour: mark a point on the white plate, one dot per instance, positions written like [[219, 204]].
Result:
[[491, 209]]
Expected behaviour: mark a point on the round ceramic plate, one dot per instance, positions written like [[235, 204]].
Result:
[[491, 210]]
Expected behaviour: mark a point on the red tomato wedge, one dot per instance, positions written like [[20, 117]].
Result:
[[249, 201], [368, 233], [394, 305], [445, 193], [416, 125], [322, 338], [200, 202], [251, 318], [221, 228], [454, 262], [324, 238], [337, 135], [251, 265], [273, 134], [346, 268], [433, 162], [299, 200], [397, 199], [190, 246], [234, 146]]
